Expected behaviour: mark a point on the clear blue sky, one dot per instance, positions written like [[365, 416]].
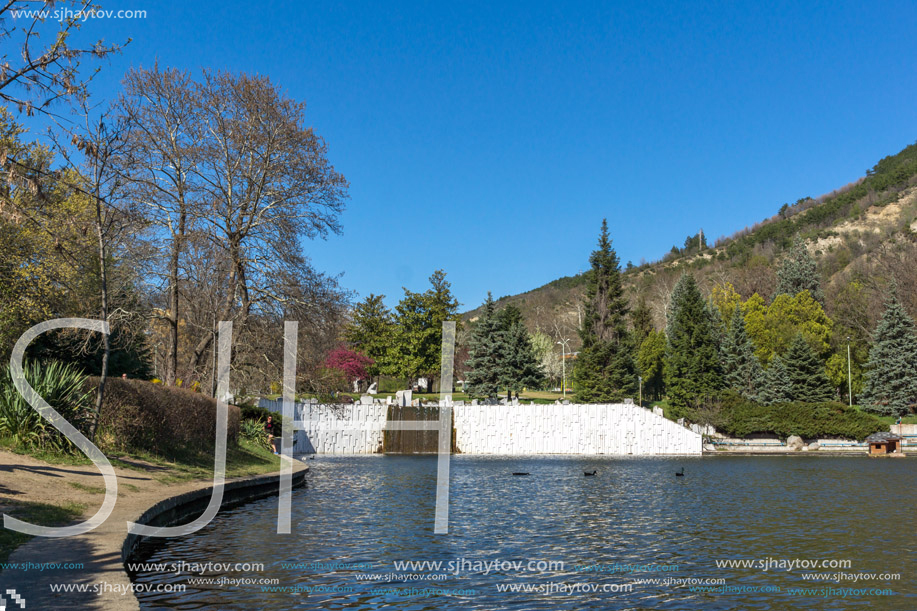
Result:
[[489, 139]]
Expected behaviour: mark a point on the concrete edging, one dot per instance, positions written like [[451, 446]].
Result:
[[180, 508]]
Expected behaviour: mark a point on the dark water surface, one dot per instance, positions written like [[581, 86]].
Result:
[[379, 509]]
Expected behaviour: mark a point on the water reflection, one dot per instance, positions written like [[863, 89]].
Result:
[[377, 510]]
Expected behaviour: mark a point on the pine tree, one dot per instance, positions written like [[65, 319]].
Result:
[[486, 349], [604, 370], [519, 367], [891, 377], [778, 387], [693, 371], [799, 273], [807, 373], [642, 320], [742, 370]]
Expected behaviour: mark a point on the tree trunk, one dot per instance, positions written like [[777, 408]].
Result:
[[172, 357], [106, 344]]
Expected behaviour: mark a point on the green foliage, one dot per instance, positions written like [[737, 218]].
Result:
[[742, 370], [485, 348], [692, 369], [651, 364], [778, 386], [604, 371], [62, 386], [807, 373], [773, 327], [836, 368], [799, 273], [253, 431], [370, 331], [416, 348], [642, 320], [519, 366], [891, 373], [741, 418]]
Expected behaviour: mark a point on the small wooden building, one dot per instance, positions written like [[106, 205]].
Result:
[[884, 443]]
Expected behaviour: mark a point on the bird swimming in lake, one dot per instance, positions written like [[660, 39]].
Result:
[[520, 473], [680, 472], [587, 474]]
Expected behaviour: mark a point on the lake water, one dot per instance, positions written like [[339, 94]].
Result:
[[631, 522]]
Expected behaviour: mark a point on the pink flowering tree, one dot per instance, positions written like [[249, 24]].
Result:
[[352, 364]]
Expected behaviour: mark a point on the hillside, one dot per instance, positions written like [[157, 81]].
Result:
[[861, 235]]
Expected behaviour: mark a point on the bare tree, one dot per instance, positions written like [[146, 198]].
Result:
[[38, 64]]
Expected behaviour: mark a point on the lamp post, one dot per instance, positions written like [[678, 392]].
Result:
[[849, 377], [563, 366], [641, 390]]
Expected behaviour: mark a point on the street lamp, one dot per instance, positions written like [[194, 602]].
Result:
[[849, 377], [641, 390], [563, 366]]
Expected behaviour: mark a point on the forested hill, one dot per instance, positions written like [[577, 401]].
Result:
[[861, 235]]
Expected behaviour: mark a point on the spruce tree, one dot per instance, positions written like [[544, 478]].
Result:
[[604, 370], [799, 273], [486, 349], [692, 370], [742, 370], [642, 320], [778, 387], [519, 366], [807, 373], [891, 378]]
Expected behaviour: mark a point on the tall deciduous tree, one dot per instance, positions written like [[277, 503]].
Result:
[[693, 372], [891, 373], [807, 373], [651, 364], [799, 273], [604, 370]]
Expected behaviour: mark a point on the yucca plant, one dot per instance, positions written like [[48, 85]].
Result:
[[253, 431], [63, 386]]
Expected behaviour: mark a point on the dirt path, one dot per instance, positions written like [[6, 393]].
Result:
[[26, 479]]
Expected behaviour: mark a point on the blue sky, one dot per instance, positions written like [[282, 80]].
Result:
[[489, 139]]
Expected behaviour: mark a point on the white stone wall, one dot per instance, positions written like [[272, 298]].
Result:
[[570, 429], [500, 429], [321, 427]]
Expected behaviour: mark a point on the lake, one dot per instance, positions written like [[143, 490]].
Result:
[[634, 536]]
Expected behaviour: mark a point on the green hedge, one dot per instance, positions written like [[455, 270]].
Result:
[[741, 418]]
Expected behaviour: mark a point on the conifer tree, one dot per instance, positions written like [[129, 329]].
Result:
[[742, 370], [519, 366], [642, 320], [604, 370], [486, 349], [799, 273], [778, 387], [692, 371], [891, 378], [807, 373]]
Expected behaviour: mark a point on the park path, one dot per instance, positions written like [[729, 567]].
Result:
[[27, 479]]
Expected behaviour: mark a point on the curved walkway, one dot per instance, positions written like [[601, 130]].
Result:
[[99, 551]]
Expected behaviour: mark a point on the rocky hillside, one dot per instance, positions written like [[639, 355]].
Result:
[[862, 235]]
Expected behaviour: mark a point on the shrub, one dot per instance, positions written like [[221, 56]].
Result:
[[160, 419], [62, 386], [741, 418], [251, 412], [253, 431]]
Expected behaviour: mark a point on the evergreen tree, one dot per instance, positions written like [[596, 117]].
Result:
[[509, 316], [604, 370], [891, 376], [692, 371], [519, 366], [370, 331], [651, 363], [799, 273], [642, 320], [807, 373], [486, 350], [778, 387], [742, 370]]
